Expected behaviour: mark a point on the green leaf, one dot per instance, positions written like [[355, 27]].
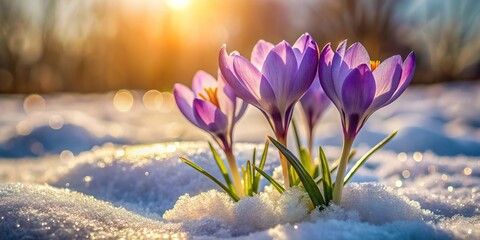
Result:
[[222, 167], [306, 160], [249, 178], [271, 180], [254, 156], [307, 180], [316, 171], [263, 160], [254, 183], [244, 177], [365, 157], [202, 171], [292, 177], [334, 167], [327, 183]]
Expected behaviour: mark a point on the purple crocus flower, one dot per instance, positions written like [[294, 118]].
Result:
[[358, 87], [213, 107], [314, 103], [273, 81]]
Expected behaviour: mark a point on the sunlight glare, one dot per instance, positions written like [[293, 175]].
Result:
[[177, 4]]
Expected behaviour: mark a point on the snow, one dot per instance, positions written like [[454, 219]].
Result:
[[72, 166]]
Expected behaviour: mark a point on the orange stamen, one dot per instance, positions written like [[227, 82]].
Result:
[[210, 95], [374, 65]]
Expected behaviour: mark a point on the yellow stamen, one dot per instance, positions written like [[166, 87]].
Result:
[[210, 95], [374, 64]]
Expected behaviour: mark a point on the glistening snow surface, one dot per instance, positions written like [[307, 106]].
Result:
[[424, 184]]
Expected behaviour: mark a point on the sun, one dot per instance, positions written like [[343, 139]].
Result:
[[177, 4]]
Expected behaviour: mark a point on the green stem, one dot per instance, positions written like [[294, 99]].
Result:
[[310, 142], [284, 163], [237, 182], [337, 190]]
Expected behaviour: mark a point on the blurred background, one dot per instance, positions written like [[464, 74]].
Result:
[[96, 46]]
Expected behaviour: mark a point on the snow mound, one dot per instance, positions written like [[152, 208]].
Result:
[[43, 212], [144, 178], [149, 183], [250, 214], [389, 205], [44, 139]]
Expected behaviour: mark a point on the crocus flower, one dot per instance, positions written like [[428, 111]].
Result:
[[273, 81], [358, 87], [212, 106], [314, 103]]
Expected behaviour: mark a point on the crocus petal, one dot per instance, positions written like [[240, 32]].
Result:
[[301, 45], [307, 70], [302, 42], [209, 117], [314, 102], [254, 82], [387, 76], [228, 73], [356, 55], [260, 52], [340, 69], [184, 99], [325, 74], [227, 98], [408, 68], [241, 111], [279, 70], [387, 71], [341, 48], [202, 80], [358, 91]]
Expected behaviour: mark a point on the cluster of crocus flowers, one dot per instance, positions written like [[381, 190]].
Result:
[[273, 81], [277, 77], [212, 106], [358, 87]]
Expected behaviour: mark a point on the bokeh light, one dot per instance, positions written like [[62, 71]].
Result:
[[123, 101], [153, 100], [56, 122], [34, 103]]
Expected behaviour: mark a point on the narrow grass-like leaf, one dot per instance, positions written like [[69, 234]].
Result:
[[292, 175], [271, 180], [254, 183], [316, 171], [327, 179], [244, 177], [334, 166], [306, 160], [261, 166], [307, 180], [222, 167], [365, 157], [254, 157], [248, 173], [202, 171]]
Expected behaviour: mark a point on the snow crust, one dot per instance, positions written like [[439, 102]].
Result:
[[117, 199], [102, 174]]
